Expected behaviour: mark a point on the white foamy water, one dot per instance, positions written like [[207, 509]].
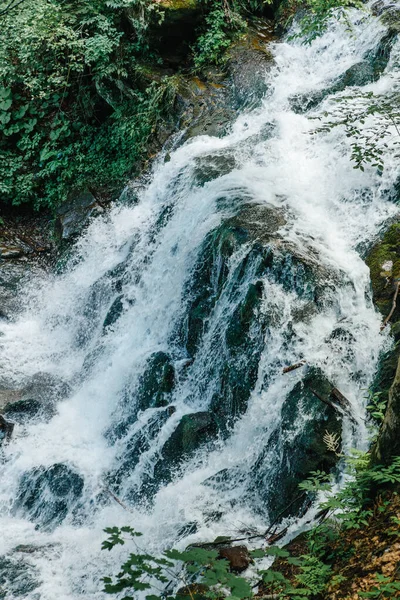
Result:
[[331, 211]]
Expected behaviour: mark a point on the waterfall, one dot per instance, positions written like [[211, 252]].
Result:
[[158, 348]]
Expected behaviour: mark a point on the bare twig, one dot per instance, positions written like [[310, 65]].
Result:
[[293, 367], [114, 497], [10, 6], [396, 292]]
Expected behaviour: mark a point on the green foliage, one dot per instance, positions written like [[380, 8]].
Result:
[[316, 15], [370, 122], [351, 504], [385, 588], [221, 27], [205, 575], [376, 406], [74, 109], [194, 566]]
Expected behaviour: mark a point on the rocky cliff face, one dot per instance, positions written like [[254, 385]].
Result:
[[384, 263]]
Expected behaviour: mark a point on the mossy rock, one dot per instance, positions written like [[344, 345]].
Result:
[[193, 431], [296, 450], [384, 264]]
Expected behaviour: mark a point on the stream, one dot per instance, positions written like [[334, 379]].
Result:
[[151, 362]]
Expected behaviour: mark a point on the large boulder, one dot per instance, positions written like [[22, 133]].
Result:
[[298, 446], [387, 445], [47, 494], [36, 400], [73, 215]]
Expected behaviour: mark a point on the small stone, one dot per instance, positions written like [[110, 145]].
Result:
[[238, 557]]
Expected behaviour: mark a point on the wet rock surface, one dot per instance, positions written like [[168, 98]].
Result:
[[297, 446], [37, 400], [362, 73], [18, 578], [47, 494], [6, 429], [74, 214], [384, 263]]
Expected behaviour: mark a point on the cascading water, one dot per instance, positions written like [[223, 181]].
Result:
[[160, 347]]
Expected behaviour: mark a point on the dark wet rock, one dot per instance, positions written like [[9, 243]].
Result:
[[47, 494], [384, 263], [297, 445], [387, 445], [6, 429], [249, 61], [23, 410], [18, 578], [156, 383], [244, 342], [114, 312], [235, 369], [211, 167], [137, 444], [254, 223], [74, 214], [238, 557], [193, 431]]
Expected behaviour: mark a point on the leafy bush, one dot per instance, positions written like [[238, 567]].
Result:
[[220, 28], [203, 574], [74, 110], [315, 15], [197, 566]]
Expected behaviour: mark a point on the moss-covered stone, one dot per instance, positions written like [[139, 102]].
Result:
[[388, 442], [384, 264]]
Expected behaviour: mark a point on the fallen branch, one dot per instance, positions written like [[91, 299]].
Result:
[[396, 292], [293, 367], [324, 400], [341, 405], [275, 537], [114, 497], [283, 512]]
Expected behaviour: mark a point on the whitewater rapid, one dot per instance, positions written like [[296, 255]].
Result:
[[332, 212]]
